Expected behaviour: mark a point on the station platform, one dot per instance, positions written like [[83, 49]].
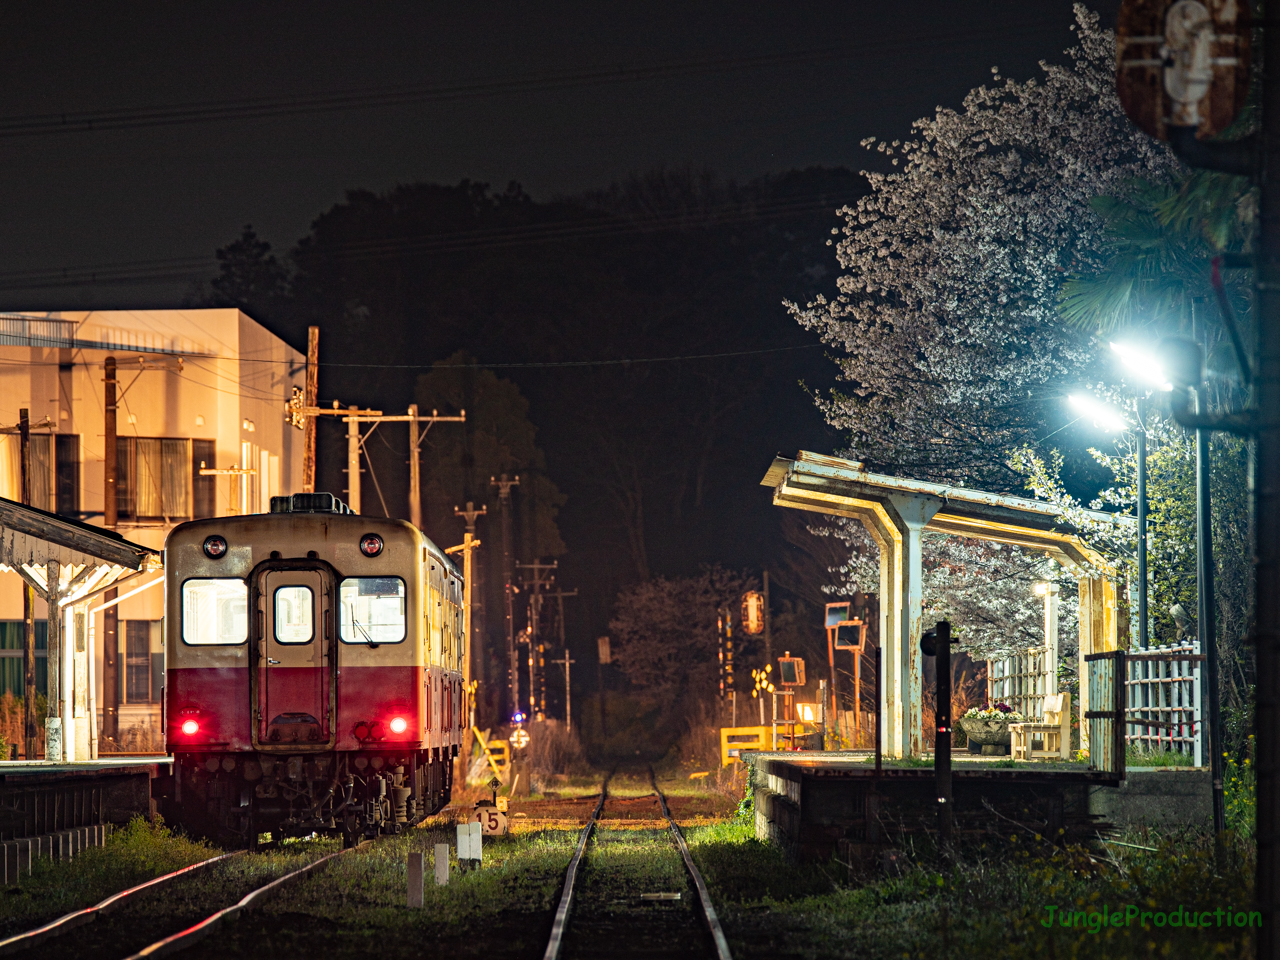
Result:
[[39, 798], [816, 804]]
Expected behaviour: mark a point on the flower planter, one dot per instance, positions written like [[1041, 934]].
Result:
[[992, 735]]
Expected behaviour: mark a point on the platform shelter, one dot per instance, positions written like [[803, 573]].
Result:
[[69, 564], [897, 512]]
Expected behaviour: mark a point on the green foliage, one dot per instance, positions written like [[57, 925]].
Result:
[[1239, 785], [1160, 238], [133, 854]]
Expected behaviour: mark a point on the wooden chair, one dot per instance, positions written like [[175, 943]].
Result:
[[1054, 732]]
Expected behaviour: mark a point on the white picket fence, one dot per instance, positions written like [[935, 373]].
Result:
[[1021, 681], [1162, 700]]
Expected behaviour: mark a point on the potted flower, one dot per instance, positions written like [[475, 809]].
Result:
[[989, 726]]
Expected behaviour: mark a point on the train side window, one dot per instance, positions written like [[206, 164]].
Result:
[[371, 610], [293, 614], [215, 612]]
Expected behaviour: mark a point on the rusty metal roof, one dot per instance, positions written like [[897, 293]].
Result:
[[839, 487]]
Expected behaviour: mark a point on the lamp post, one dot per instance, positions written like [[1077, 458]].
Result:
[[1108, 419]]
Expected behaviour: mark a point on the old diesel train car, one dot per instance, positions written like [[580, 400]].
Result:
[[313, 675]]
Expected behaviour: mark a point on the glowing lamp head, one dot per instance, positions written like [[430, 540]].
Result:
[[398, 725], [1103, 416], [190, 728], [371, 544]]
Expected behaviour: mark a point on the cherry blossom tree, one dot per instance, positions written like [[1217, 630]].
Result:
[[946, 315]]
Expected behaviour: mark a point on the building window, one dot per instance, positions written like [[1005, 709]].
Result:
[[153, 478], [143, 661], [55, 471], [67, 474], [204, 490]]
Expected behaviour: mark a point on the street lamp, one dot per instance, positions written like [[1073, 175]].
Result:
[[1108, 419]]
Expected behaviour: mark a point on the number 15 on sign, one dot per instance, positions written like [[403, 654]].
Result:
[[493, 822]]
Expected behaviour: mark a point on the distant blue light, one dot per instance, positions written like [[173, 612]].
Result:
[[517, 718]]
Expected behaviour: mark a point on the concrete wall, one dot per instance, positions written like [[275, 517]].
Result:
[[1156, 797]]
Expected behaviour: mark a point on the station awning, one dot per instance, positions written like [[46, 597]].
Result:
[[90, 559]]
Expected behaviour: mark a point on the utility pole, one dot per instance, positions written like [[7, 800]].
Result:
[[537, 682], [568, 703], [513, 664], [30, 730], [310, 396], [110, 517], [301, 414], [415, 493], [469, 543]]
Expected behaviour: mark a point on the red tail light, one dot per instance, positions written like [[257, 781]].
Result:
[[190, 727], [399, 725]]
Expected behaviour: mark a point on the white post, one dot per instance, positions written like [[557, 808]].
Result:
[[415, 893], [442, 864]]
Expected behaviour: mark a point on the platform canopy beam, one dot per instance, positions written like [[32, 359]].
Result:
[[897, 512], [67, 563]]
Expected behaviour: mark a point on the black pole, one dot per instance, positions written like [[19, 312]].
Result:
[[1206, 614], [1143, 640], [941, 642], [879, 710]]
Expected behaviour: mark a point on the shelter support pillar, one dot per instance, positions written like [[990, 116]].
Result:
[[1099, 633], [896, 525]]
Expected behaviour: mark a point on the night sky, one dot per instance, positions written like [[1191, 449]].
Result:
[[136, 139], [741, 89]]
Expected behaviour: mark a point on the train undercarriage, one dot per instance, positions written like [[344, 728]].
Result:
[[236, 798]]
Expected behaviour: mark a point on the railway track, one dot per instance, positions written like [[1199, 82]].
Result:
[[641, 922], [29, 943]]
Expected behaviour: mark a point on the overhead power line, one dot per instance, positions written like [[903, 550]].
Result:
[[249, 108], [186, 268]]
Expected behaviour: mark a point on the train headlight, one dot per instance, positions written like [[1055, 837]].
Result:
[[371, 544], [398, 725], [215, 547], [190, 727]]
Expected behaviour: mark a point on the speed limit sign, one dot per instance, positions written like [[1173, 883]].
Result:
[[493, 822]]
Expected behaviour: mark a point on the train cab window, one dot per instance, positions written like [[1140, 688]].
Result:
[[215, 612], [371, 610], [293, 614]]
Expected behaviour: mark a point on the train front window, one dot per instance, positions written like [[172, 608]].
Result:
[[215, 612], [293, 615], [371, 610]]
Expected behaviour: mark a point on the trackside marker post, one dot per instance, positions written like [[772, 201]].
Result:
[[442, 864], [415, 880], [464, 842]]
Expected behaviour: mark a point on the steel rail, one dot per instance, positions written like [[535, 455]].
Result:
[[185, 938], [708, 909], [77, 918], [570, 876]]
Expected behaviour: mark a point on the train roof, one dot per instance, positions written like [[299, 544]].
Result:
[[326, 508]]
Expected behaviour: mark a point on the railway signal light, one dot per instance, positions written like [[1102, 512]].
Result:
[[190, 728], [399, 725]]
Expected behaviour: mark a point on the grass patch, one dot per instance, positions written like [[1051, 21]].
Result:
[[993, 901], [132, 855], [356, 908], [1136, 756]]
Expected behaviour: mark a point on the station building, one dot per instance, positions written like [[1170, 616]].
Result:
[[200, 432]]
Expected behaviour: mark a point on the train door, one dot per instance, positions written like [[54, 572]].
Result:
[[295, 658]]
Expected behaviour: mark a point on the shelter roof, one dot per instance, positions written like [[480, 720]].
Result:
[[94, 558], [839, 487]]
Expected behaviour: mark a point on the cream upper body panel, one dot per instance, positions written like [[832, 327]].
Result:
[[333, 539]]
